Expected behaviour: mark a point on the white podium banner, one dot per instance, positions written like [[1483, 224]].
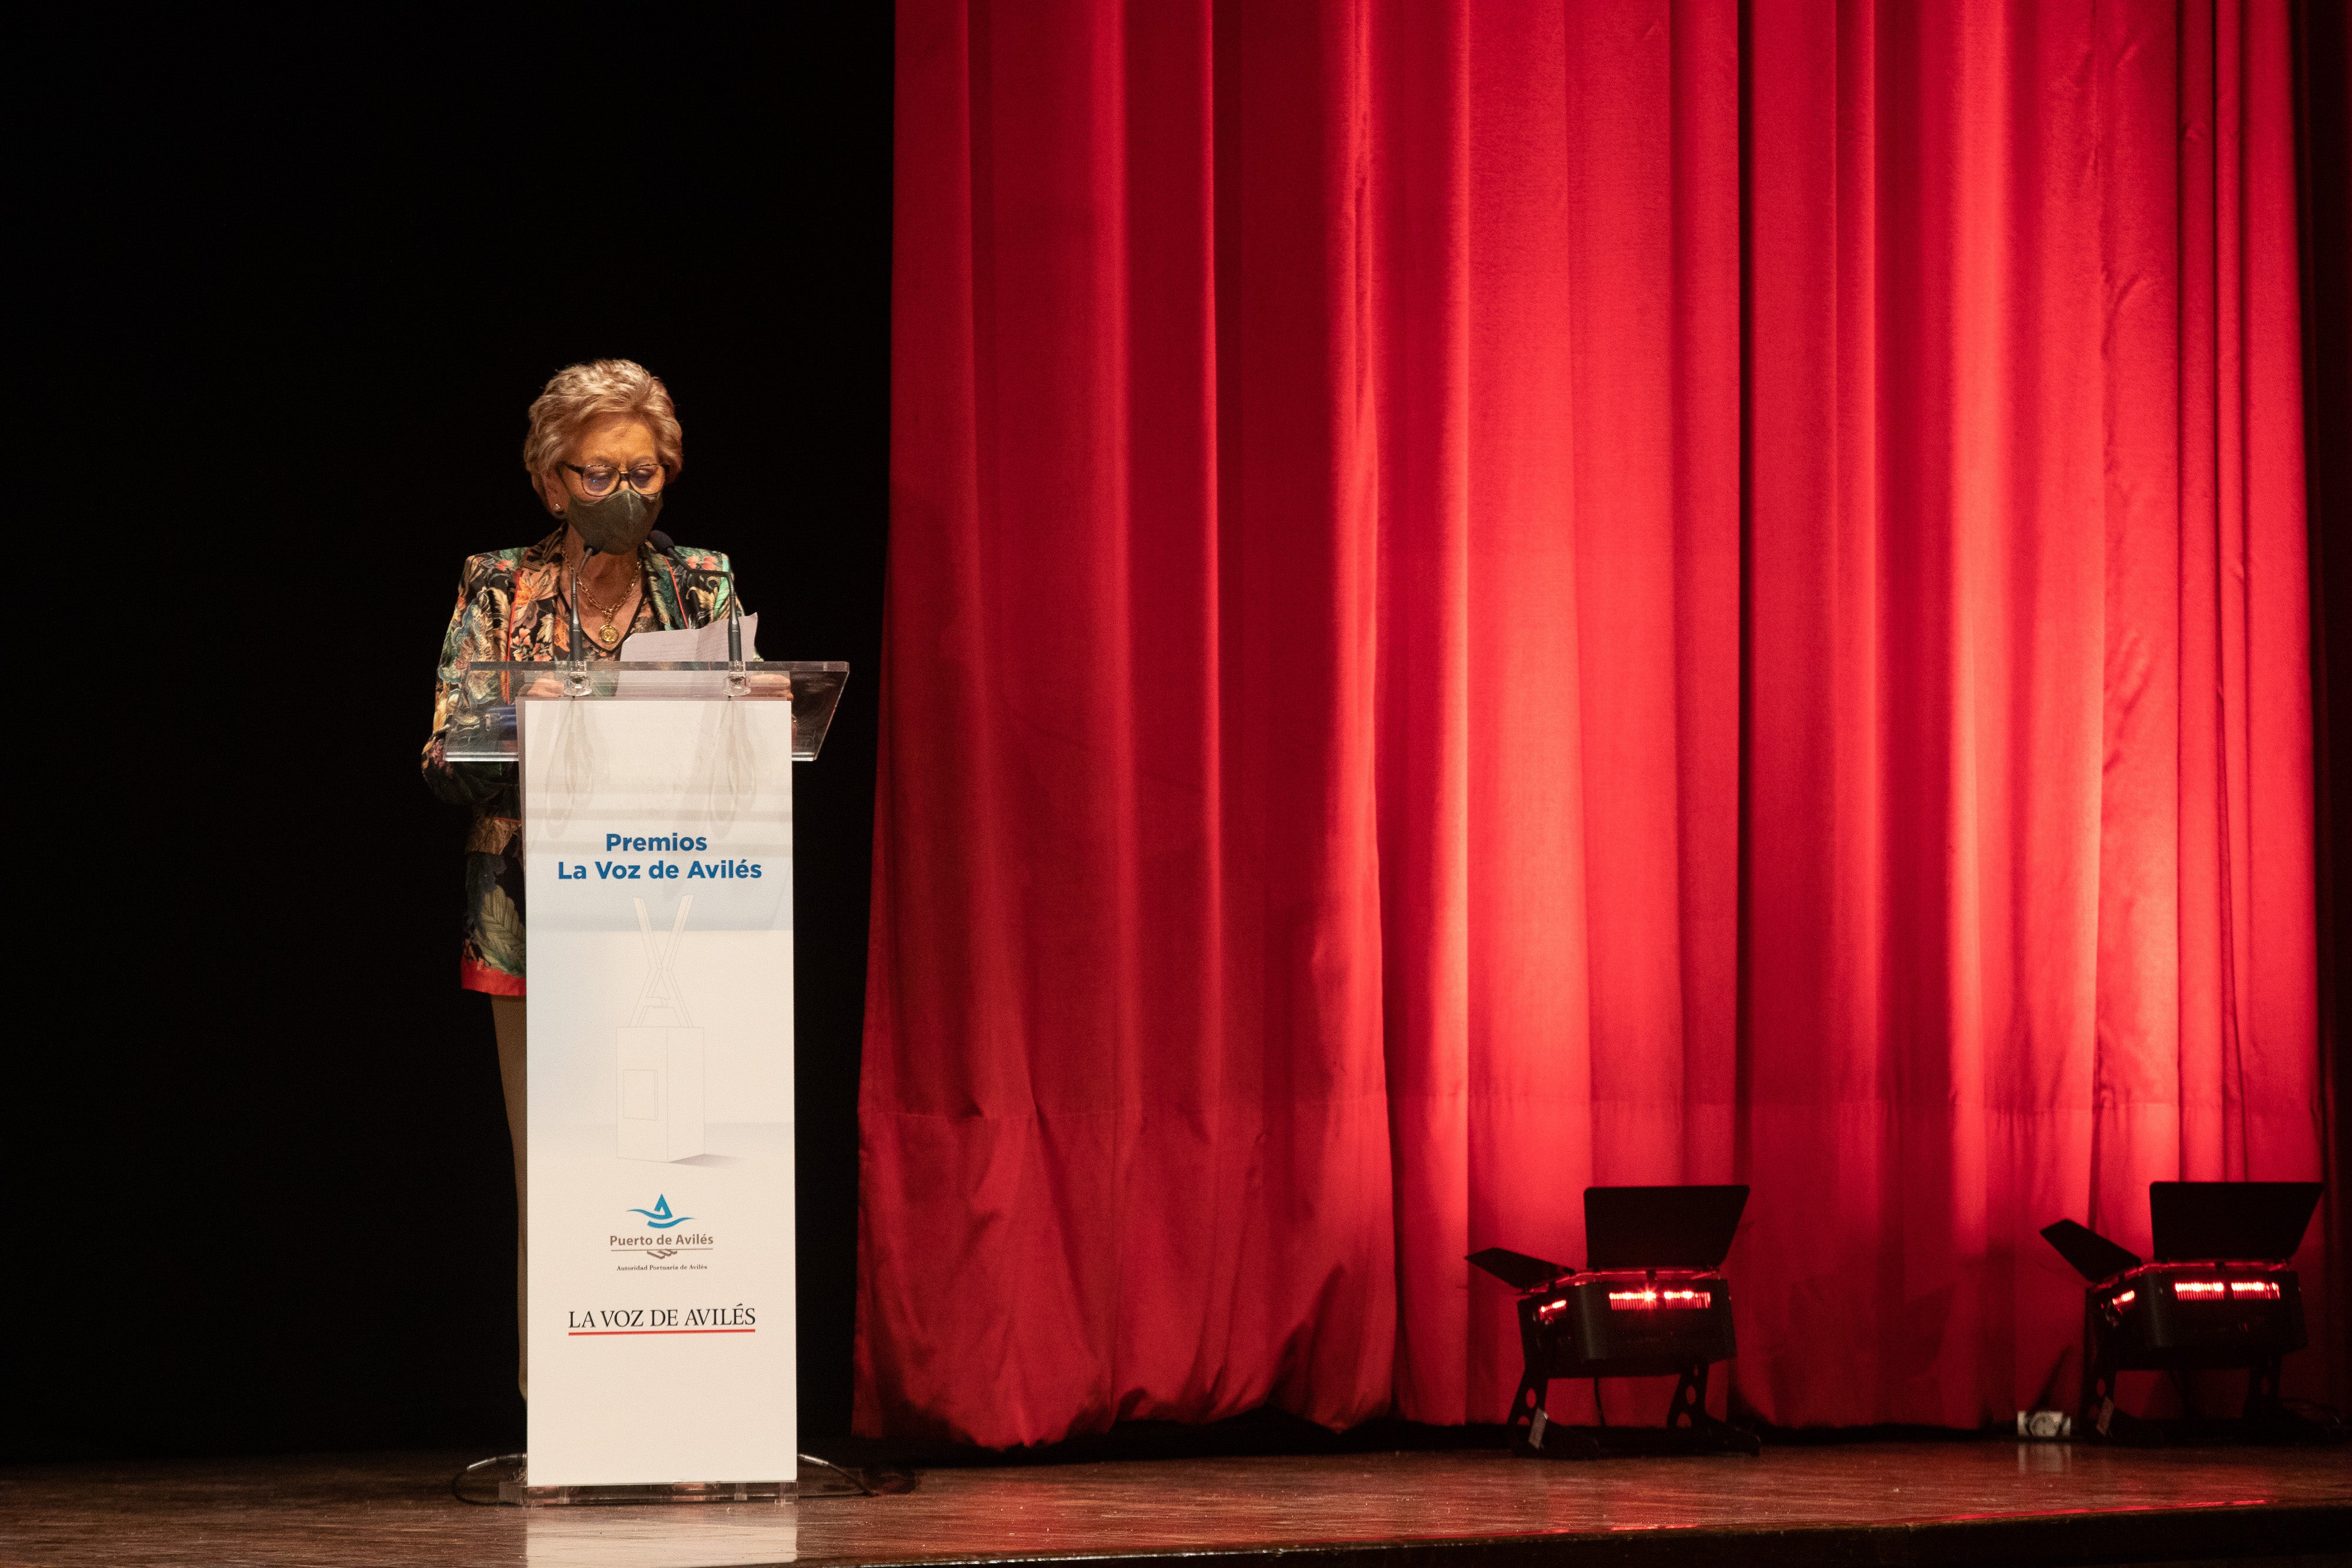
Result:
[[659, 869]]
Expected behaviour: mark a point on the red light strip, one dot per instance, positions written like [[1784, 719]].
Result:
[[1641, 1300]]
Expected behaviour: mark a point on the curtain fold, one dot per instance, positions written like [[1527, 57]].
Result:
[[1487, 597]]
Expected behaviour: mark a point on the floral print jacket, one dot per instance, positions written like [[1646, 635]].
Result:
[[512, 606]]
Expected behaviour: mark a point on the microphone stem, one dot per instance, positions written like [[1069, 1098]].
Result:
[[738, 682], [579, 680]]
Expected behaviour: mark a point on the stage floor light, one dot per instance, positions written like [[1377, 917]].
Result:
[[1651, 1302], [2217, 1295]]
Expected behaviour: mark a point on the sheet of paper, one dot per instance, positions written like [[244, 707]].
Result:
[[693, 645], [647, 647], [697, 644]]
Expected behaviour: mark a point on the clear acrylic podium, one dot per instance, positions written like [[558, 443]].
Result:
[[657, 802], [483, 728]]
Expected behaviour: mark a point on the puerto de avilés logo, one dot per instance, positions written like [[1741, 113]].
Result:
[[658, 1217]]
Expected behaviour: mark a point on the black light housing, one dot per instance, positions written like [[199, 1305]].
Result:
[[2218, 1294], [1652, 1301]]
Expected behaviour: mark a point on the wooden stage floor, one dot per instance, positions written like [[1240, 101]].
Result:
[[1988, 1502]]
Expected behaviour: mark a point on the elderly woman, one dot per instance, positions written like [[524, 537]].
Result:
[[604, 448]]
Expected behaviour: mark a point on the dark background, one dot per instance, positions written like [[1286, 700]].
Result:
[[303, 288], [2323, 152], [294, 291]]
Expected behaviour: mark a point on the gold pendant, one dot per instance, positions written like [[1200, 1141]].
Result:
[[609, 635]]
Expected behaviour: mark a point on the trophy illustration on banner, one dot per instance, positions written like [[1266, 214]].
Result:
[[661, 1063]]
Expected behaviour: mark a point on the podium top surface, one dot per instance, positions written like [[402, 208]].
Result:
[[481, 724]]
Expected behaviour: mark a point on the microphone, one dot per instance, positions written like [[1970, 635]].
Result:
[[669, 547]]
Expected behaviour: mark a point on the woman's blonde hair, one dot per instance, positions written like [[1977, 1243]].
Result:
[[578, 395]]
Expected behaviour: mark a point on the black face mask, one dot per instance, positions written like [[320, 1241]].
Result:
[[619, 523]]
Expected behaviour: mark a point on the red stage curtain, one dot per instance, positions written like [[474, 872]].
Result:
[[1496, 596]]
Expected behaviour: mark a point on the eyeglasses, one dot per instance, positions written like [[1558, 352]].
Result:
[[597, 479]]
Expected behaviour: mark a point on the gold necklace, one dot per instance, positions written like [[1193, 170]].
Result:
[[608, 633]]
